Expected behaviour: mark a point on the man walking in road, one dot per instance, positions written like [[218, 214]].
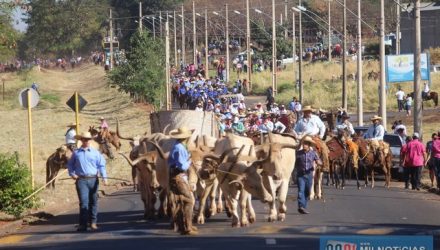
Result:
[[304, 165], [84, 167], [435, 157], [416, 155]]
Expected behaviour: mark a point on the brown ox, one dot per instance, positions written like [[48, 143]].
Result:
[[109, 137], [55, 162], [372, 161], [277, 170]]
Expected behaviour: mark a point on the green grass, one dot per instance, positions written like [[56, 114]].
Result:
[[50, 98]]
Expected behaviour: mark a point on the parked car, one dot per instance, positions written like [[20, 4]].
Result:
[[395, 146]]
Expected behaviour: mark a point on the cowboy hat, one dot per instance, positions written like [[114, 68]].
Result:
[[345, 116], [307, 108], [307, 139], [84, 135], [181, 133], [72, 124], [376, 117], [101, 118]]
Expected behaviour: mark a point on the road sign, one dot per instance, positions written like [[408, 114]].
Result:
[[34, 97], [81, 102]]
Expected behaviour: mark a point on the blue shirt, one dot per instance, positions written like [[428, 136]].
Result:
[[304, 161], [87, 162], [375, 132], [179, 157]]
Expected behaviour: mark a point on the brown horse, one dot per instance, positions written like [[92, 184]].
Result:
[[373, 161], [338, 158], [430, 96]]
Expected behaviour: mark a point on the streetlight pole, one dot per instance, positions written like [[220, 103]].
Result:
[[183, 37], [176, 62], [285, 17], [167, 66], [417, 73], [360, 108], [227, 42], [344, 63], [383, 110], [398, 28], [294, 47], [329, 31], [300, 58], [248, 48], [160, 24], [111, 41], [194, 35], [206, 45], [154, 28], [140, 17], [274, 52]]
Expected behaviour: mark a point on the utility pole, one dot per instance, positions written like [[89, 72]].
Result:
[[160, 24], [227, 42], [360, 108], [300, 58], [194, 35], [329, 31], [154, 28], [286, 35], [206, 45], [140, 17], [417, 73], [383, 100], [248, 48], [274, 52], [111, 40], [183, 37], [398, 28], [344, 63], [167, 65], [294, 47], [176, 62]]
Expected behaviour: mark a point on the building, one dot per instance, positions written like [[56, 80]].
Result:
[[430, 27]]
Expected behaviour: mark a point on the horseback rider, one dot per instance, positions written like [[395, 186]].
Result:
[[375, 134], [425, 91], [70, 137], [310, 124], [104, 129], [179, 162], [346, 124]]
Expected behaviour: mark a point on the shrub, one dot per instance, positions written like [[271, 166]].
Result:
[[15, 185]]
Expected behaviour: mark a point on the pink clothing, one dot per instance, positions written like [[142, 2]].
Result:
[[414, 153], [436, 149], [104, 124]]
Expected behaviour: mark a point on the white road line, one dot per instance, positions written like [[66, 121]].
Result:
[[271, 242]]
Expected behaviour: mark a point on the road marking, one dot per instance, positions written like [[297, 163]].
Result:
[[376, 231], [271, 241], [11, 239]]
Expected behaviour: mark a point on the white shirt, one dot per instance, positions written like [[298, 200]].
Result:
[[311, 126], [346, 125], [400, 94], [266, 127], [70, 136], [426, 89], [199, 109], [375, 132], [279, 125], [298, 107]]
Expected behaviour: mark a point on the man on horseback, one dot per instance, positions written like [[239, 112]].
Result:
[[310, 124], [425, 91], [346, 124], [375, 134]]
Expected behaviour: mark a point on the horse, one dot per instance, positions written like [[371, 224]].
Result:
[[430, 96], [372, 75], [372, 161], [104, 142], [338, 157]]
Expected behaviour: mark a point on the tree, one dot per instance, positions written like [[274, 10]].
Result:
[[64, 27], [143, 76], [8, 35], [262, 38]]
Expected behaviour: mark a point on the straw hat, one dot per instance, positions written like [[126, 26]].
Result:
[[376, 117], [308, 139], [181, 133], [84, 135], [101, 118], [307, 108], [72, 124]]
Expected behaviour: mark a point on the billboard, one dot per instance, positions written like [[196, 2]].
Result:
[[400, 68]]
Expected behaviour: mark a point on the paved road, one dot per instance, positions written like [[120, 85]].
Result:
[[350, 211]]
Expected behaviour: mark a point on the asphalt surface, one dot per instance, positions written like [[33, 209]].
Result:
[[377, 211]]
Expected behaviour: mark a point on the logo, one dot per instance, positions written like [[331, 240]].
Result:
[[376, 243]]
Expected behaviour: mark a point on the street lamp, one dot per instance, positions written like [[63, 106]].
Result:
[[300, 54]]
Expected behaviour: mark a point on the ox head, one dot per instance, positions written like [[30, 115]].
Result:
[[210, 163], [272, 158]]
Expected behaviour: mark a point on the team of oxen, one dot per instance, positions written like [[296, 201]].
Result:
[[234, 169]]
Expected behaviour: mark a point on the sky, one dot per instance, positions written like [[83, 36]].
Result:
[[18, 23]]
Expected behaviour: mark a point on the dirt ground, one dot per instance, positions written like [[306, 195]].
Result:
[[49, 120]]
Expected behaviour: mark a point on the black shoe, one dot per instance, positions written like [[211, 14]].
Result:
[[81, 229], [302, 211], [418, 189]]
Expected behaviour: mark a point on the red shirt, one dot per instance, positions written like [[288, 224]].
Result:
[[405, 160], [435, 152], [414, 153]]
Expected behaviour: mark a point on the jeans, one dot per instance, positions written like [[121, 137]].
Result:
[[416, 174], [87, 190], [304, 187], [406, 171], [436, 165], [400, 104]]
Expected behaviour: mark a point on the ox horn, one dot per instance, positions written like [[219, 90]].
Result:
[[197, 141], [137, 160], [205, 143], [286, 145], [159, 150], [239, 182], [217, 158], [119, 134], [165, 129], [239, 153], [269, 136]]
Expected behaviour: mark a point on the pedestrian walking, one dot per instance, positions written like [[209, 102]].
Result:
[[435, 157], [408, 105], [400, 95], [430, 163], [306, 158], [85, 166], [416, 154], [404, 162]]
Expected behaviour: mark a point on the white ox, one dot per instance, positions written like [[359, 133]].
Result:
[[277, 170]]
